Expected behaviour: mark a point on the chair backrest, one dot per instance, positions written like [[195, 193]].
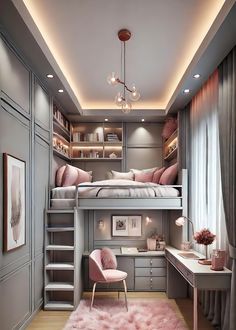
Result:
[[95, 266]]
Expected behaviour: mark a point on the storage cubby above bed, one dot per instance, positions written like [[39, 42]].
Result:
[[97, 141], [61, 134]]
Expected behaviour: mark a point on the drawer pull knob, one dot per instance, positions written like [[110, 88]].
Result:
[[151, 279], [150, 271], [151, 262]]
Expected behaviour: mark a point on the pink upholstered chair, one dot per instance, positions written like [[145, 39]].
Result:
[[98, 274]]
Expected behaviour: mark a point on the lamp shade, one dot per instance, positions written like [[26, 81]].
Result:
[[181, 221]]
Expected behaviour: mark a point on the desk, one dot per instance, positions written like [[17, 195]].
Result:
[[181, 271]]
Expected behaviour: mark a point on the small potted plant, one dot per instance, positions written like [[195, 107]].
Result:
[[204, 237]]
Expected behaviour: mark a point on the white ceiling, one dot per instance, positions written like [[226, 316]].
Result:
[[79, 38]]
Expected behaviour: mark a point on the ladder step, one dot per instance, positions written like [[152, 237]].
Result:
[[59, 229], [60, 266], [59, 248], [59, 286], [58, 211], [59, 305]]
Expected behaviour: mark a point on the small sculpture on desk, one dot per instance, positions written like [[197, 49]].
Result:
[[156, 242]]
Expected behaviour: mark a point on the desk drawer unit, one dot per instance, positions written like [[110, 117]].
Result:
[[150, 274]]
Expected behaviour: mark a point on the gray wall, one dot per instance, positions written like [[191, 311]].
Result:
[[24, 133], [142, 148]]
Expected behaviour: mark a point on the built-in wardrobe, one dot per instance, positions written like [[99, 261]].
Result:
[[25, 133]]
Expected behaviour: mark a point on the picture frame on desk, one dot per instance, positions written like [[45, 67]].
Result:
[[127, 225], [14, 202]]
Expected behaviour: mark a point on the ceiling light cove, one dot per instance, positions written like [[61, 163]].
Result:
[[158, 63]]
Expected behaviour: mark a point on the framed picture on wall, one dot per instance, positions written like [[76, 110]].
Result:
[[14, 202], [126, 225]]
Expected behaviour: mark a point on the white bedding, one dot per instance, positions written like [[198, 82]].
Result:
[[133, 189]]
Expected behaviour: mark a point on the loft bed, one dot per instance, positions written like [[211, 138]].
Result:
[[107, 195]]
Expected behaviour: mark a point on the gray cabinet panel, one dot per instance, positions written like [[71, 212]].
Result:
[[38, 281], [42, 152], [143, 157], [143, 134], [14, 78], [150, 272], [15, 299], [14, 140], [150, 283], [41, 106], [148, 262]]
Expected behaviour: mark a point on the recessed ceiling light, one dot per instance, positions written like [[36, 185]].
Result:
[[186, 91], [106, 119], [50, 76], [143, 119], [60, 90], [196, 76]]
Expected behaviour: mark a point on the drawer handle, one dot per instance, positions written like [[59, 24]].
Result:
[[150, 271], [150, 279], [151, 287], [151, 262]]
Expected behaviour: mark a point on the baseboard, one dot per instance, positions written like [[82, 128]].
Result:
[[28, 321]]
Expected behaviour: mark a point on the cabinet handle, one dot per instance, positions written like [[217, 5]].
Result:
[[151, 279], [151, 262], [150, 271]]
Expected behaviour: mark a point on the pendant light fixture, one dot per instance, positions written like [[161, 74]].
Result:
[[113, 79]]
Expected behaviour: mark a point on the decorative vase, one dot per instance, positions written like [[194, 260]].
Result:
[[205, 261], [206, 251], [151, 244]]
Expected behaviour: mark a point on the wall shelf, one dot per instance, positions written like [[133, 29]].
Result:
[[170, 147], [60, 154]]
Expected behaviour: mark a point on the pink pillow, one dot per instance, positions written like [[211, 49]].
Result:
[[170, 126], [157, 175], [108, 259], [143, 177], [59, 175], [74, 175], [83, 176], [169, 175]]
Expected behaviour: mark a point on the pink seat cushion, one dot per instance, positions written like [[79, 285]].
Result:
[[59, 175], [169, 175], [157, 175], [73, 176], [108, 259], [114, 275]]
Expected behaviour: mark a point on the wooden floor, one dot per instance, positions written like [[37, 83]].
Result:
[[55, 320]]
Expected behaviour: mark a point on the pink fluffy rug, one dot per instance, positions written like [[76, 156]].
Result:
[[111, 315]]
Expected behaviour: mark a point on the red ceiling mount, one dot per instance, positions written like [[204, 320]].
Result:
[[124, 35]]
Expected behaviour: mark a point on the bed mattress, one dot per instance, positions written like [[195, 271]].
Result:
[[115, 189]]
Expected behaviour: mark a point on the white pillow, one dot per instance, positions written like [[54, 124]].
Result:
[[120, 175], [145, 170]]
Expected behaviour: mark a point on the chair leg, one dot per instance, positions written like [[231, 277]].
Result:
[[125, 290], [94, 288]]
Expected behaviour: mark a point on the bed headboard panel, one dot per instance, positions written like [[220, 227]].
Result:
[[99, 168]]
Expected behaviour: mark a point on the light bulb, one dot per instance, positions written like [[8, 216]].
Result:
[[119, 99], [112, 79], [126, 107], [134, 95]]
